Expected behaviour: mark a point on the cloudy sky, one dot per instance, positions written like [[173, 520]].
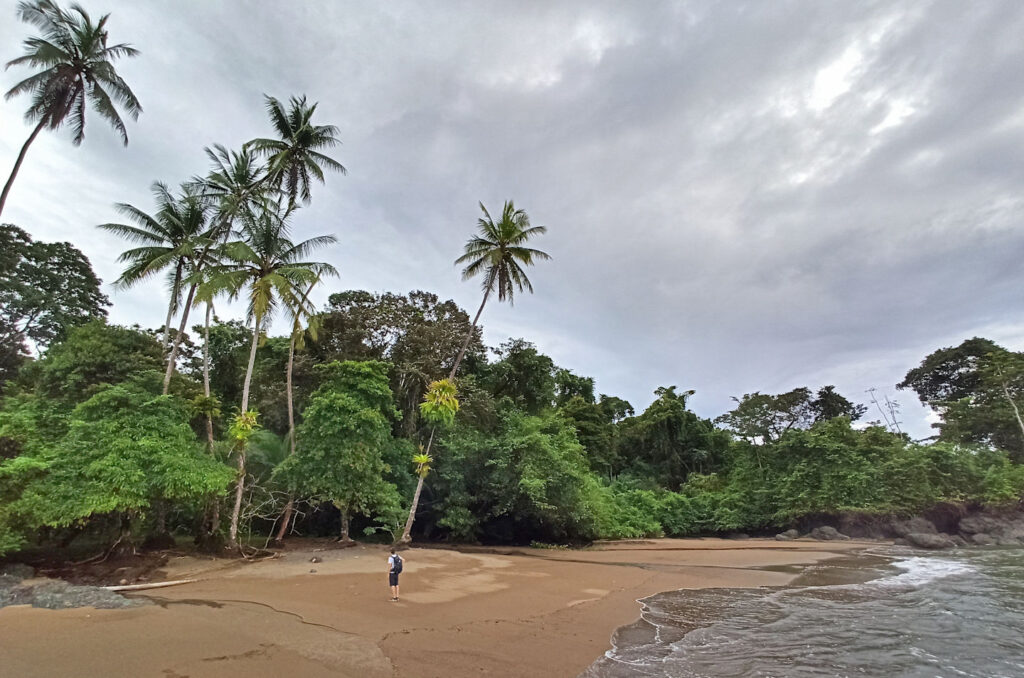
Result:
[[739, 196]]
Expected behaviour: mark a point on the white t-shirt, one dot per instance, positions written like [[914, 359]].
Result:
[[391, 563]]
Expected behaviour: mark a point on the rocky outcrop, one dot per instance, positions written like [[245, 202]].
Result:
[[1004, 529], [926, 540], [827, 533], [788, 535], [18, 588], [901, 528]]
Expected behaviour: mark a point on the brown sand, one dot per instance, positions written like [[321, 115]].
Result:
[[520, 612]]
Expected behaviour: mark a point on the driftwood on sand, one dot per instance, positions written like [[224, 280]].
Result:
[[152, 585]]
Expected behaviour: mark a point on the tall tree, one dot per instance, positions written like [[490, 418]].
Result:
[[177, 237], [345, 431], [418, 333], [499, 252], [295, 158], [75, 66], [269, 269], [45, 290]]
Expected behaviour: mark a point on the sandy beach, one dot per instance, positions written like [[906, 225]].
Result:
[[505, 612]]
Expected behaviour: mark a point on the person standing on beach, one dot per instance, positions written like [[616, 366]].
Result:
[[394, 569]]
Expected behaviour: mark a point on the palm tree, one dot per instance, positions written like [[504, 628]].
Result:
[[295, 159], [175, 237], [236, 183], [76, 66], [499, 252], [269, 270]]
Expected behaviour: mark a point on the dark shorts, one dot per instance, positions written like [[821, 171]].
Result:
[[393, 578]]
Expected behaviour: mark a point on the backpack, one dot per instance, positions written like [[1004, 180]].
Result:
[[396, 567]]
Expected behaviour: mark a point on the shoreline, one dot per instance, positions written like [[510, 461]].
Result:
[[508, 611]]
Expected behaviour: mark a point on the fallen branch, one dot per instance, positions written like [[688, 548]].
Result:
[[153, 585]]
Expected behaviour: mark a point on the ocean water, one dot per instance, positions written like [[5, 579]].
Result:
[[897, 612]]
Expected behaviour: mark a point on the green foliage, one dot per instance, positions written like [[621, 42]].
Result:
[[92, 355], [243, 427], [342, 441], [528, 480], [124, 450], [760, 417], [45, 290], [978, 388], [440, 405], [668, 442], [596, 432], [417, 333], [523, 375]]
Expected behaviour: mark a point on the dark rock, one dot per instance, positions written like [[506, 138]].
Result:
[[982, 539], [915, 525], [925, 540], [828, 533], [57, 595], [314, 559], [996, 524], [863, 526], [958, 540], [788, 535]]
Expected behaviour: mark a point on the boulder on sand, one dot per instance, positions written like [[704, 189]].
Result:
[[828, 533], [924, 540], [788, 535]]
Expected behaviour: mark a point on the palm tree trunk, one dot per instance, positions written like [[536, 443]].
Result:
[[344, 526], [469, 337], [170, 308], [249, 368], [17, 163], [407, 531], [288, 387], [173, 358], [287, 514], [240, 486], [206, 376]]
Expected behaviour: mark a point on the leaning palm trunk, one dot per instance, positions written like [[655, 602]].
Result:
[[286, 515], [17, 163], [172, 359], [206, 376], [469, 336], [407, 532], [240, 486], [175, 287]]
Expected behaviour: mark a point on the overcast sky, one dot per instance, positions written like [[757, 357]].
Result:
[[739, 196]]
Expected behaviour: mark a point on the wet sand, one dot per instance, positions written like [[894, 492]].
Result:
[[511, 612]]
